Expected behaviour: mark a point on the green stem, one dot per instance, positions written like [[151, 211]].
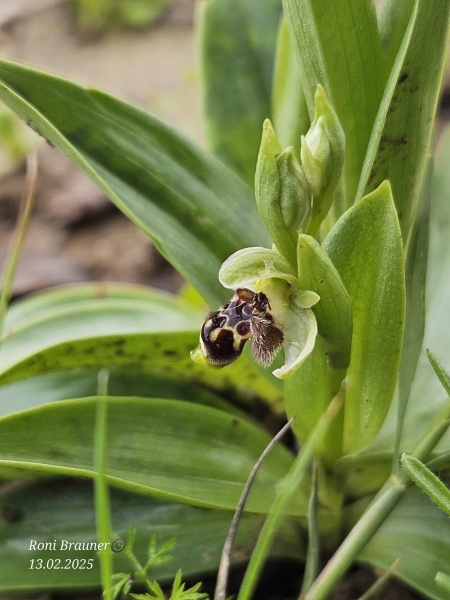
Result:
[[102, 504], [375, 590], [363, 531], [313, 552], [9, 272]]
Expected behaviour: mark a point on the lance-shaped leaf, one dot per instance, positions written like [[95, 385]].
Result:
[[365, 247], [437, 333], [403, 146], [248, 265], [123, 381], [427, 481], [174, 450], [196, 210], [415, 279], [396, 46], [351, 76], [289, 111], [237, 47], [58, 512]]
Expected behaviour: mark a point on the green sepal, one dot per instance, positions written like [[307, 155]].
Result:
[[267, 192], [317, 273], [311, 167]]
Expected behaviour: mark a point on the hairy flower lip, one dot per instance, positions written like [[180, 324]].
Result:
[[266, 270]]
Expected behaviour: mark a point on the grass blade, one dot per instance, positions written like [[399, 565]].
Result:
[[10, 267], [101, 489], [220, 592]]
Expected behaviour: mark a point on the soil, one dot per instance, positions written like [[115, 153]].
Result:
[[76, 234]]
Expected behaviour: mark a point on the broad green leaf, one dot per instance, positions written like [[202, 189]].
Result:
[[439, 255], [393, 21], [153, 309], [83, 382], [401, 46], [404, 144], [337, 45], [237, 46], [427, 394], [196, 210], [289, 111], [366, 248], [65, 511], [415, 279], [417, 532], [107, 326], [174, 450]]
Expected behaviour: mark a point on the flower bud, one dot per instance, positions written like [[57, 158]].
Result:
[[322, 149], [322, 154], [268, 190], [295, 192]]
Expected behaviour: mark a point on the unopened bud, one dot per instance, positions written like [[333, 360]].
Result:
[[268, 190], [322, 149], [295, 192]]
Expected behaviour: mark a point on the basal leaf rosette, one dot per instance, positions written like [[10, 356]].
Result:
[[264, 270]]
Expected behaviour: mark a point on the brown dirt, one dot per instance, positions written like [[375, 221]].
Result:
[[76, 234]]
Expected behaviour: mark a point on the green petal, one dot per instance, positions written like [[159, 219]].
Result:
[[299, 337]]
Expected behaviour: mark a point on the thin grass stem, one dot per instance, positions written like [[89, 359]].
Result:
[[224, 568], [102, 501], [26, 208]]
